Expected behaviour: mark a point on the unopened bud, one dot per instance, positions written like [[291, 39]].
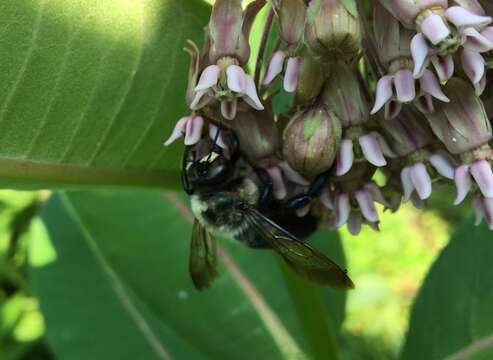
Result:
[[310, 141], [392, 39], [226, 32], [332, 31], [291, 15], [408, 132], [311, 78], [257, 133], [342, 95], [462, 124]]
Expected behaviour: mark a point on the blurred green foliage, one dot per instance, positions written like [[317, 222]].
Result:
[[21, 323]]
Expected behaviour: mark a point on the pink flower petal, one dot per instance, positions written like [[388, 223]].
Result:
[[376, 193], [435, 29], [384, 146], [208, 78], [473, 64], [354, 224], [228, 109], [216, 134], [291, 77], [326, 199], [488, 211], [236, 78], [419, 52], [424, 103], [404, 86], [193, 131], [366, 205], [477, 205], [444, 66], [392, 109], [371, 150], [276, 64], [476, 41], [292, 175], [407, 184], [279, 189], [343, 209], [480, 86], [429, 84], [421, 180], [488, 33], [345, 157], [443, 164], [302, 212], [461, 17], [481, 172], [417, 202], [463, 183], [383, 93], [251, 96], [200, 100], [178, 131]]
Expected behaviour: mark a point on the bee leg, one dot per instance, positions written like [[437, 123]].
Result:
[[235, 145], [302, 200], [185, 182], [265, 190]]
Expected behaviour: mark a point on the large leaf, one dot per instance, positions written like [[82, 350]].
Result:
[[452, 315], [89, 89], [122, 267]]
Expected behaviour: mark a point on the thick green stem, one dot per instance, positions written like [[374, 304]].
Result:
[[314, 318], [35, 175]]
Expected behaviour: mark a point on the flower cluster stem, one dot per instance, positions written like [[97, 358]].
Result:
[[263, 45]]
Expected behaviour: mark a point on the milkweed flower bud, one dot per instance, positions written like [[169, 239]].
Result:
[[258, 135], [311, 78], [398, 85], [342, 95], [226, 32], [291, 15], [462, 124], [332, 32], [310, 141], [464, 128]]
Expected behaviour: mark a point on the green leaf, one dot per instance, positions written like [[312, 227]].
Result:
[[90, 89], [451, 317], [122, 261]]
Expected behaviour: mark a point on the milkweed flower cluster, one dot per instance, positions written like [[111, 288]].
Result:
[[400, 89]]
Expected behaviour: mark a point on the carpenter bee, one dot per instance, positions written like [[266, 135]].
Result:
[[225, 201]]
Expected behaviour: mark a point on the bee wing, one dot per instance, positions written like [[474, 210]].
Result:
[[303, 259], [203, 257]]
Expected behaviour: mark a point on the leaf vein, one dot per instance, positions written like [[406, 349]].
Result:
[[32, 144], [155, 117], [124, 98], [117, 286], [25, 63]]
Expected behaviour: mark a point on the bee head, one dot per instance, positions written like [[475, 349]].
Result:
[[207, 166]]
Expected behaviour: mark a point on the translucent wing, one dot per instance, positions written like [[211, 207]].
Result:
[[203, 257], [303, 259]]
